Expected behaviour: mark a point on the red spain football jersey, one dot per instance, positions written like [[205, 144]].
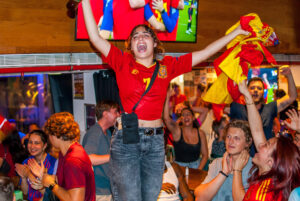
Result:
[[164, 35], [126, 18], [261, 192], [133, 78]]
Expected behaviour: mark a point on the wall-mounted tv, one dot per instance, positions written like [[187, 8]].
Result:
[[270, 77], [115, 19]]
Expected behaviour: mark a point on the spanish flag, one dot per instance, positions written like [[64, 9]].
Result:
[[242, 53]]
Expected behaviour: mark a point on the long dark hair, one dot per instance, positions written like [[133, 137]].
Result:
[[285, 172], [16, 149]]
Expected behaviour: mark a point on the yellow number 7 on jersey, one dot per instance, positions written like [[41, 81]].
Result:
[[147, 82]]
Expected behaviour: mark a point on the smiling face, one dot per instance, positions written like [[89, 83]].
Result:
[[142, 43], [235, 141], [36, 146], [187, 117], [112, 115], [256, 89], [263, 158]]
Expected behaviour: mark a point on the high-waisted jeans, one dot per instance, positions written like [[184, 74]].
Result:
[[136, 169]]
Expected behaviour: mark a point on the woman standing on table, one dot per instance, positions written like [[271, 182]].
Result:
[[137, 169]]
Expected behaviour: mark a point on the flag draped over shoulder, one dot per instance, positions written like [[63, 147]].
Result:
[[242, 53]]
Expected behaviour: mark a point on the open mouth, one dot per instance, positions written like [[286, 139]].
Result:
[[141, 47]]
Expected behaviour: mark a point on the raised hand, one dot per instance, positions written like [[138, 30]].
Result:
[[36, 169], [243, 88], [158, 5], [227, 163], [22, 170], [285, 70], [168, 188], [241, 161], [242, 31], [295, 120]]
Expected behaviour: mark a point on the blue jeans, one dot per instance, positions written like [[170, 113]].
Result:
[[194, 164], [136, 169]]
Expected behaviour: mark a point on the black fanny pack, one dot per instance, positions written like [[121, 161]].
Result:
[[130, 123]]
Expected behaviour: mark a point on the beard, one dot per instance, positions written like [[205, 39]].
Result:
[[261, 100], [256, 100]]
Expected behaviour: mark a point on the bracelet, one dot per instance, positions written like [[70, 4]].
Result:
[[51, 186], [223, 173], [250, 103], [238, 170]]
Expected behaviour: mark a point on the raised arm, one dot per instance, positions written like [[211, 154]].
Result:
[[238, 190], [169, 20], [295, 120], [285, 101], [150, 17], [100, 44], [202, 112], [204, 150], [216, 46], [254, 118], [170, 124]]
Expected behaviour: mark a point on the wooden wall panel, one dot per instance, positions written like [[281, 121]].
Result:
[[35, 26]]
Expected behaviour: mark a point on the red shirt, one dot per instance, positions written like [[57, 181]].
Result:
[[126, 18], [132, 79], [5, 154], [259, 192], [176, 99], [97, 7], [164, 35], [75, 171]]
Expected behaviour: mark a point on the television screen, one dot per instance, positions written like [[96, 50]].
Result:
[[116, 19], [270, 78]]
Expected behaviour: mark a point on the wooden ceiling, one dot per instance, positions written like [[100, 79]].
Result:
[[42, 26]]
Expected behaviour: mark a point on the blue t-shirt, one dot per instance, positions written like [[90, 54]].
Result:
[[268, 112], [96, 142], [295, 195], [225, 190]]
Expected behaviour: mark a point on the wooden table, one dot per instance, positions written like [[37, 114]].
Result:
[[194, 178]]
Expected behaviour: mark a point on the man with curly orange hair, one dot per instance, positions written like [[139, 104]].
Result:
[[75, 177]]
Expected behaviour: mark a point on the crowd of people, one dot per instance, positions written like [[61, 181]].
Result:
[[122, 157]]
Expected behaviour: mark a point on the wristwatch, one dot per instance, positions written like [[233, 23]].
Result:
[[52, 186]]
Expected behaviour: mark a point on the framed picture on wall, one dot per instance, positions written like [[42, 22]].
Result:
[[78, 87], [90, 115]]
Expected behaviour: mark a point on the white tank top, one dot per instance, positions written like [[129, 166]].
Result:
[[169, 177]]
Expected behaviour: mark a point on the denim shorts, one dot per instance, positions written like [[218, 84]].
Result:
[[136, 169]]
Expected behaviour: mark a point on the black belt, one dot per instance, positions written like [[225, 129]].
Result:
[[152, 131]]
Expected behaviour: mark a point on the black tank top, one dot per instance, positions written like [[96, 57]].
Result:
[[185, 152]]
